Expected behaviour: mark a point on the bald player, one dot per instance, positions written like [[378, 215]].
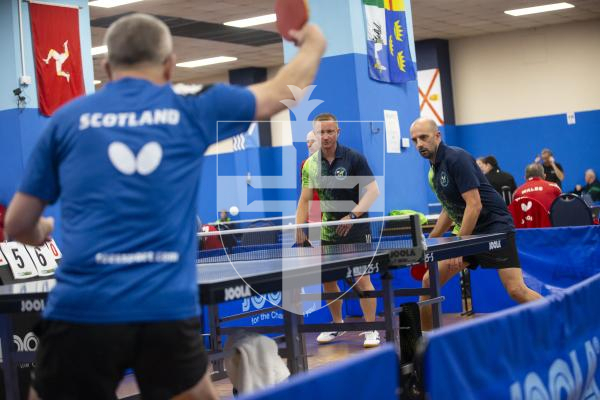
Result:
[[125, 164], [474, 206]]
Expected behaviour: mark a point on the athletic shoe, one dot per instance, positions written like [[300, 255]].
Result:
[[371, 339], [327, 337]]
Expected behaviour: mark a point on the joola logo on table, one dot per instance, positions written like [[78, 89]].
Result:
[[496, 244], [403, 253], [565, 378], [32, 305], [237, 292]]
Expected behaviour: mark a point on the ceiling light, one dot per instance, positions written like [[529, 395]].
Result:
[[206, 61], [539, 9], [99, 50], [97, 82], [111, 3], [243, 23]]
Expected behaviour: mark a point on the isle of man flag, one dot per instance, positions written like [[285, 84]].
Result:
[[57, 54], [388, 44]]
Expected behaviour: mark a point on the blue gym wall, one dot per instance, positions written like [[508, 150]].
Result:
[[515, 143], [512, 92]]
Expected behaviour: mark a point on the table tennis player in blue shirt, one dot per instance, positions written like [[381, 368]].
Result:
[[125, 164], [474, 206]]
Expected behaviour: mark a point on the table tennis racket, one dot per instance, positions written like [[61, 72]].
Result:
[[417, 271], [291, 15]]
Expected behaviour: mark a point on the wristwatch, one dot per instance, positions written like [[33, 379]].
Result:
[[352, 215]]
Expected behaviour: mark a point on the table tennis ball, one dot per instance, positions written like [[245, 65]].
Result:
[[233, 210]]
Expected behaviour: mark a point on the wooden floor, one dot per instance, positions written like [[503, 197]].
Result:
[[318, 356]]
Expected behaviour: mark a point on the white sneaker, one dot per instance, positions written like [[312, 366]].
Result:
[[371, 339], [327, 337]]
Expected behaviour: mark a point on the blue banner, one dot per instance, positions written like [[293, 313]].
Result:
[[543, 350], [388, 44], [370, 375], [552, 259]]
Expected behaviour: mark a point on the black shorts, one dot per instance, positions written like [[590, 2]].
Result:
[[87, 361], [505, 257]]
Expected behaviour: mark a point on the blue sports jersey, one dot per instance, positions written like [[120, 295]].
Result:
[[125, 163], [455, 172]]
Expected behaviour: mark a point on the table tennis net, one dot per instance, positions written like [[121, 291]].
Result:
[[224, 244]]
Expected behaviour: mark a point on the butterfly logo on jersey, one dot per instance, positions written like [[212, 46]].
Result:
[[127, 163], [526, 206]]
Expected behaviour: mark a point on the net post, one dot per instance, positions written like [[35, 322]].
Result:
[[416, 230]]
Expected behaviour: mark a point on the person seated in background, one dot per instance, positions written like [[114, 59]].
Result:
[[497, 178], [553, 170], [592, 187], [536, 187], [223, 217]]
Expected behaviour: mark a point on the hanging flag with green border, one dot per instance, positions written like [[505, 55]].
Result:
[[388, 45]]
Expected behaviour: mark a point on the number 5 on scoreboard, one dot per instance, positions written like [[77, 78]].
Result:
[[20, 262]]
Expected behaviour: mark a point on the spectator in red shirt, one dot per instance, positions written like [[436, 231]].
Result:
[[536, 187], [314, 211]]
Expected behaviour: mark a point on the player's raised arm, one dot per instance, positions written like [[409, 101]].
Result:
[[300, 72]]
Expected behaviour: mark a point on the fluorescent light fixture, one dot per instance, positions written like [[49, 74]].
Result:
[[99, 50], [539, 9], [244, 23], [206, 61], [111, 3], [97, 82]]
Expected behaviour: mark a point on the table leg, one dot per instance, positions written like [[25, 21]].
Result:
[[295, 343], [215, 337], [392, 322], [434, 291], [9, 366], [292, 319]]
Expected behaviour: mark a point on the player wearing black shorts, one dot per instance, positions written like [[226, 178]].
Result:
[[472, 204], [125, 164], [347, 189]]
